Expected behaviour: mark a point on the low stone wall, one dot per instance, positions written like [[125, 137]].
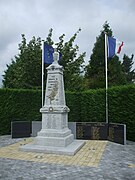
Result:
[[81, 130]]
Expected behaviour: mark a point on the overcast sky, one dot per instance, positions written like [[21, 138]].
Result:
[[36, 17]]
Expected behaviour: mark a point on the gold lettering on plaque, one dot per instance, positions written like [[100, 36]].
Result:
[[95, 133], [80, 132]]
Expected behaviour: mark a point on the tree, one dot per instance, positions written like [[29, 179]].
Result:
[[127, 68], [25, 70], [72, 63], [95, 70], [70, 60], [116, 76]]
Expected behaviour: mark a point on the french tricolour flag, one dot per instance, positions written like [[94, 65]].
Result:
[[114, 47]]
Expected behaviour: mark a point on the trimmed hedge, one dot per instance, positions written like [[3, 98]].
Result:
[[87, 106], [18, 105], [122, 108], [93, 106]]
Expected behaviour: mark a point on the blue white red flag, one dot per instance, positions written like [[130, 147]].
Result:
[[114, 47]]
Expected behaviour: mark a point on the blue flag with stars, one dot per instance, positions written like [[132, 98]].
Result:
[[48, 54]]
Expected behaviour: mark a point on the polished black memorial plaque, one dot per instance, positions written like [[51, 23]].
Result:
[[80, 130], [101, 131], [20, 129], [95, 131], [117, 133]]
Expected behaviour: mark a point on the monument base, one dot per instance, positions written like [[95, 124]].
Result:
[[55, 136], [71, 149]]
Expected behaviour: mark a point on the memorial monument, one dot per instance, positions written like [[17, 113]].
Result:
[[55, 136]]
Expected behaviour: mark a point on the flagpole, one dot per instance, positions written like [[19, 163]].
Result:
[[106, 78], [42, 73]]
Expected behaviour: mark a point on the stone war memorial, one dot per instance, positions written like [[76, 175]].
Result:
[[55, 136]]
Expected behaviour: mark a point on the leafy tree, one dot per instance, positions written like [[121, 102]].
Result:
[[25, 70], [95, 70], [70, 60], [116, 76], [72, 63], [127, 68], [10, 75]]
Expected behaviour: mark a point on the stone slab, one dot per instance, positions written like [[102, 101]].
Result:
[[72, 127], [71, 149], [111, 162], [92, 130], [54, 141], [36, 127], [20, 129], [101, 131], [117, 133]]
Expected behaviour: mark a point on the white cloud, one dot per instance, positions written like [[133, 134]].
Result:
[[36, 17]]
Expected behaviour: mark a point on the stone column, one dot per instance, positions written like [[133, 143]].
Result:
[[55, 131]]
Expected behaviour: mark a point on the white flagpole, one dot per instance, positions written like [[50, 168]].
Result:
[[106, 78], [42, 73]]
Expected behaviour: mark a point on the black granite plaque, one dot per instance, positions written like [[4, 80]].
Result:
[[101, 131], [87, 131], [117, 133], [20, 129], [79, 131], [95, 131]]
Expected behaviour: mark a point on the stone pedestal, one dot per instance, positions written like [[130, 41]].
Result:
[[55, 136]]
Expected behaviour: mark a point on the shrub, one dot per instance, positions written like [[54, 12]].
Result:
[[87, 106], [18, 105]]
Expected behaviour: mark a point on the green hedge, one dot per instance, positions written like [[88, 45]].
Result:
[[122, 108], [87, 106], [93, 106], [18, 105]]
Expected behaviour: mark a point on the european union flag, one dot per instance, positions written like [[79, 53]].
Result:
[[48, 54]]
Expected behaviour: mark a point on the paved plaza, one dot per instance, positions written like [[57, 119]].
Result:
[[97, 160]]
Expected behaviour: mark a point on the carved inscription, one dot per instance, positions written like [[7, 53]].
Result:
[[51, 122], [48, 124], [54, 122], [64, 120]]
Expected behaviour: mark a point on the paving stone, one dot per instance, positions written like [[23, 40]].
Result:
[[117, 163]]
